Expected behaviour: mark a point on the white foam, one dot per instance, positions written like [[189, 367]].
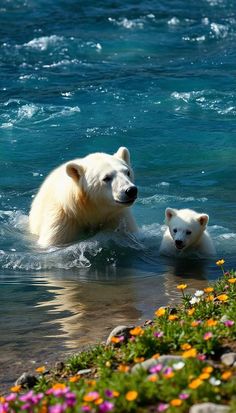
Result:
[[127, 23], [174, 21], [161, 198], [43, 43]]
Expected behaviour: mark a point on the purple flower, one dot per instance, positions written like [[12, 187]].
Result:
[[158, 334], [229, 323], [26, 406], [27, 397], [106, 406], [162, 407], [85, 408], [183, 396], [156, 369], [57, 408], [11, 397], [4, 407], [168, 370], [108, 393]]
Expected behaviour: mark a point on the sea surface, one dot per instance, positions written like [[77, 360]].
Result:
[[81, 76]]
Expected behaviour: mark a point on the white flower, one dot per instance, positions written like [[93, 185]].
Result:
[[178, 366], [194, 300], [199, 293], [214, 381]]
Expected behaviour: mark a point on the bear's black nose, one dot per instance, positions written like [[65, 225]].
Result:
[[179, 243], [131, 192]]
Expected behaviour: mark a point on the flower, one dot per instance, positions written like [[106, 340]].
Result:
[[195, 384], [123, 368], [116, 340], [106, 406], [210, 298], [214, 382], [191, 311], [204, 376], [176, 402], [168, 373], [179, 365], [194, 300], [184, 396], [182, 286], [40, 369], [229, 323], [186, 346], [10, 398], [153, 378], [160, 312], [158, 334], [199, 293], [139, 359], [222, 297], [162, 407], [190, 353], [15, 389], [156, 369], [56, 408], [173, 317], [86, 408], [156, 356], [207, 369], [208, 290], [220, 262], [211, 322], [131, 395], [232, 280], [91, 396], [226, 375], [196, 323], [137, 331], [208, 335], [74, 379]]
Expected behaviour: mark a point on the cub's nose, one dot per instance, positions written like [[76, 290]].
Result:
[[132, 192], [179, 244]]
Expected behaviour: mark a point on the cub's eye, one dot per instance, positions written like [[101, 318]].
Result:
[[128, 173], [188, 232], [107, 178], [174, 230]]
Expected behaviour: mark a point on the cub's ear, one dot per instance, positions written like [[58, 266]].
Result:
[[123, 153], [170, 213], [203, 219], [74, 170]]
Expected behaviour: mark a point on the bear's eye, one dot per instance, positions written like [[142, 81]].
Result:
[[107, 178], [174, 230], [128, 173], [188, 232]]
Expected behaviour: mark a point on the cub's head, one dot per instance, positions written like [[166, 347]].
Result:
[[106, 180], [186, 226]]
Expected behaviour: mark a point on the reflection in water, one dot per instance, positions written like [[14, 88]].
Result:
[[47, 316]]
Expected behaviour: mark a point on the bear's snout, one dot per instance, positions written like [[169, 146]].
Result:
[[131, 192], [179, 244]]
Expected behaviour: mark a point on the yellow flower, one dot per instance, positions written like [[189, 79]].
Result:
[[176, 402], [191, 311], [204, 376], [138, 359], [108, 363], [40, 369], [222, 297], [226, 375], [173, 317], [208, 290], [160, 312], [195, 384], [15, 389], [207, 369], [99, 401], [232, 280], [91, 382], [2, 399], [186, 346], [131, 395], [210, 298], [220, 262], [74, 379], [123, 368], [211, 322], [182, 286], [190, 353], [137, 331], [169, 375], [91, 397], [156, 356], [115, 393], [59, 386], [195, 323], [153, 378]]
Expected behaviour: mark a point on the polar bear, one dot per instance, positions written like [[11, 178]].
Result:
[[85, 194], [186, 233]]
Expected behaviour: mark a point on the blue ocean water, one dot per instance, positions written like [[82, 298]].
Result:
[[78, 77]]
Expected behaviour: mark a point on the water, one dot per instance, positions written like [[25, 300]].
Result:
[[155, 76]]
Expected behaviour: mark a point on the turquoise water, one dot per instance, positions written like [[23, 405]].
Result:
[[155, 76]]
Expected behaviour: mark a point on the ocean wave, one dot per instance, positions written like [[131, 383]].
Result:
[[128, 23], [163, 199], [44, 42]]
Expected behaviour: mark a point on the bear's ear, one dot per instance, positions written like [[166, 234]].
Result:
[[170, 213], [123, 153], [203, 219], [74, 170]]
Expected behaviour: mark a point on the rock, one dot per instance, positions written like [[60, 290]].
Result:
[[119, 331], [84, 371], [26, 380], [165, 360], [208, 408], [228, 359], [59, 366]]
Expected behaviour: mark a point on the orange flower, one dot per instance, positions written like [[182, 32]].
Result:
[[115, 340], [160, 312], [207, 369], [182, 286], [137, 331], [195, 323], [173, 317], [204, 376], [156, 356], [186, 346], [115, 393], [176, 402], [211, 322], [153, 378], [40, 369], [74, 379], [210, 298], [99, 401], [123, 368], [131, 395], [91, 396], [232, 280], [139, 359], [220, 262], [15, 389], [226, 375], [195, 384], [222, 297], [208, 290], [169, 375], [190, 353], [91, 382], [191, 311], [2, 399]]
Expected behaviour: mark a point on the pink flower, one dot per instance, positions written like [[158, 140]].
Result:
[[229, 323], [158, 334], [183, 396], [156, 369], [208, 335], [86, 408], [11, 397], [57, 408], [106, 406], [162, 407], [201, 357]]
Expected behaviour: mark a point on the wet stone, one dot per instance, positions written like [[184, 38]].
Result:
[[208, 408], [165, 360], [84, 371], [26, 380], [228, 359], [118, 332]]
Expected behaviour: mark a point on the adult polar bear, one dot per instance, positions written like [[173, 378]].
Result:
[[86, 194]]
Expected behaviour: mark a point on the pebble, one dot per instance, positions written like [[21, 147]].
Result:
[[26, 380], [147, 364], [120, 331], [208, 408], [228, 359], [84, 371]]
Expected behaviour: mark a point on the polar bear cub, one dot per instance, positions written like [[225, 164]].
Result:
[[186, 233], [86, 194]]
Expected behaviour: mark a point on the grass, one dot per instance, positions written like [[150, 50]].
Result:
[[199, 330]]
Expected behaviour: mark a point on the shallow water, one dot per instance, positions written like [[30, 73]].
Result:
[[157, 77]]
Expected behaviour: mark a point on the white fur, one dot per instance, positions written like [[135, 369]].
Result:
[[186, 229], [83, 195]]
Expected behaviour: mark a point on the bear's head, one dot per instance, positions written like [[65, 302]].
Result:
[[105, 181], [186, 226]]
